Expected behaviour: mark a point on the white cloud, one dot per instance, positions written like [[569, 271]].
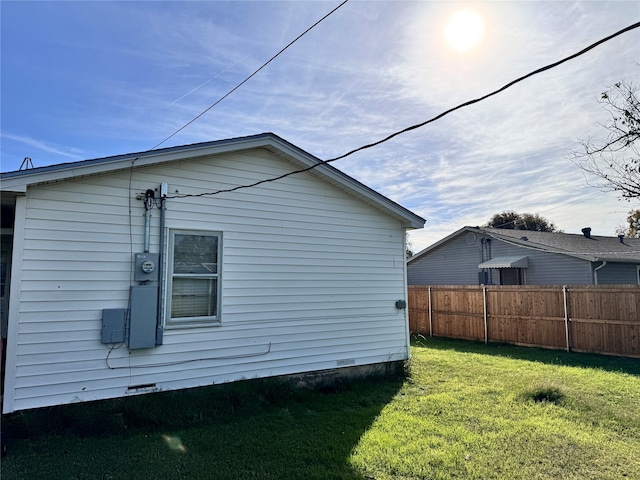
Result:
[[66, 153], [367, 71]]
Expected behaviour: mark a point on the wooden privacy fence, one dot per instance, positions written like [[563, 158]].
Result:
[[584, 318]]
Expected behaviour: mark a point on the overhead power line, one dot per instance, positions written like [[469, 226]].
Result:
[[495, 92], [250, 76], [419, 125]]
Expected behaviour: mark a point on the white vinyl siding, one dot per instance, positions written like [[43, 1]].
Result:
[[311, 276], [616, 273], [456, 263]]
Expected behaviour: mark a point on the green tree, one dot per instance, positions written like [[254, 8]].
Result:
[[511, 220], [615, 161], [632, 227]]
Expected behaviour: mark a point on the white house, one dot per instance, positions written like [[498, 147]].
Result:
[[131, 274]]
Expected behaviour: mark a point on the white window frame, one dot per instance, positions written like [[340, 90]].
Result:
[[198, 321]]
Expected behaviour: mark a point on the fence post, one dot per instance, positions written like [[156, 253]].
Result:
[[430, 318], [484, 308], [566, 316]]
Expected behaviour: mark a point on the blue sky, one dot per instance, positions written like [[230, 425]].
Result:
[[89, 79]]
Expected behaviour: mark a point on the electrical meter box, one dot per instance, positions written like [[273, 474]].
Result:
[[145, 267]]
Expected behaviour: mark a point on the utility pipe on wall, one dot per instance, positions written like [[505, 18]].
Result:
[[148, 204], [163, 197], [595, 272]]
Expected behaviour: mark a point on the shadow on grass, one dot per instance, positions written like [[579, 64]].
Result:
[[263, 429], [552, 357]]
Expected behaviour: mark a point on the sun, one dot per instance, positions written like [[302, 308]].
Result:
[[464, 30]]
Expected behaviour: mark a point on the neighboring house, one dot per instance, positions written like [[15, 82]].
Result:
[[123, 275], [492, 256]]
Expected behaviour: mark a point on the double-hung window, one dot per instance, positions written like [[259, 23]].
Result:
[[193, 290]]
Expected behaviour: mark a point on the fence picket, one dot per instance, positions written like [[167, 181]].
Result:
[[585, 318]]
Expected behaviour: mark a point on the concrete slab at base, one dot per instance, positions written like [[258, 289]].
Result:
[[324, 378]]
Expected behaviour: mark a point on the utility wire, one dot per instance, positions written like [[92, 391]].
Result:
[[134, 160], [249, 77], [419, 125], [510, 84]]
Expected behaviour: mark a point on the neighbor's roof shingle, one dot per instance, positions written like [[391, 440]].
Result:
[[594, 249]]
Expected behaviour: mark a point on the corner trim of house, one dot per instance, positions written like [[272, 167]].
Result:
[[14, 304]]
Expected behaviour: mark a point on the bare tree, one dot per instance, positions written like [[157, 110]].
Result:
[[408, 246], [616, 160]]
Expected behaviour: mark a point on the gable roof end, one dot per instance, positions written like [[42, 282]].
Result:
[[19, 181]]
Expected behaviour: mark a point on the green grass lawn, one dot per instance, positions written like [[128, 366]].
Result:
[[460, 410]]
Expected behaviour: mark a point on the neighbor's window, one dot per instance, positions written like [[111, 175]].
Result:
[[511, 276], [194, 273]]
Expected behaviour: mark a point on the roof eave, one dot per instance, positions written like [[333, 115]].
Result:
[[19, 181]]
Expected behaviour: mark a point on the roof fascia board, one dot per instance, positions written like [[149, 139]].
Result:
[[20, 182]]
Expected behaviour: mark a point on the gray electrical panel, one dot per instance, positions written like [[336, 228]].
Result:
[[145, 267], [113, 322], [143, 316]]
